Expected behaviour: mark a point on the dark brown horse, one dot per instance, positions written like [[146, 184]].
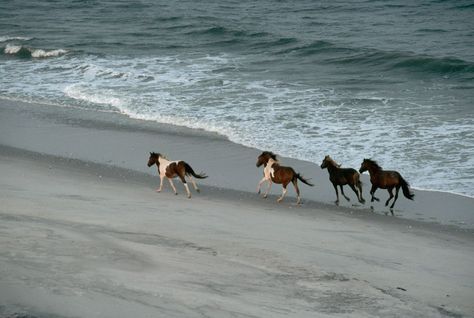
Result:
[[173, 169], [385, 179], [342, 176], [273, 172]]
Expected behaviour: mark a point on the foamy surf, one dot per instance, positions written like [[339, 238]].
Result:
[[6, 38], [23, 51], [104, 97], [402, 99], [38, 53]]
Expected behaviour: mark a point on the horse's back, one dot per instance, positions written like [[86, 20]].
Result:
[[392, 174], [175, 168], [349, 171], [282, 174], [344, 176], [388, 178]]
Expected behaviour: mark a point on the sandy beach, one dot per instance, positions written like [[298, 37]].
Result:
[[84, 234]]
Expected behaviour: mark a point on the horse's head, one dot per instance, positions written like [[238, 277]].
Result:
[[264, 157], [328, 161], [364, 166], [153, 159]]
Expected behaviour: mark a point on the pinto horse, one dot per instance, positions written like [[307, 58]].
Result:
[[173, 169], [385, 179], [342, 176], [273, 172]]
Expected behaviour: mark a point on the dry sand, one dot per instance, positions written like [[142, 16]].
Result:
[[83, 234]]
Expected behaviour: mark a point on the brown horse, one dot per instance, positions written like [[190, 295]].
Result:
[[173, 169], [385, 179], [342, 176], [273, 172]]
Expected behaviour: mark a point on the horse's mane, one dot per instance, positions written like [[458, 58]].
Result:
[[332, 161], [373, 163], [271, 154], [158, 155]]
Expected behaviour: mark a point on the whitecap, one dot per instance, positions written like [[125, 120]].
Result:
[[6, 38], [36, 53], [39, 53], [12, 49]]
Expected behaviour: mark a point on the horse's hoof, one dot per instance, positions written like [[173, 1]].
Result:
[[258, 192], [198, 190], [158, 190], [279, 200], [189, 197], [176, 193], [265, 196], [336, 202], [362, 201]]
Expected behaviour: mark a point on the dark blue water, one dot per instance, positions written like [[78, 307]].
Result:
[[389, 80]]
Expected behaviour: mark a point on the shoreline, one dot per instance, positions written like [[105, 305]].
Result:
[[441, 191], [83, 239], [66, 132], [152, 126], [149, 125], [306, 209], [84, 234]]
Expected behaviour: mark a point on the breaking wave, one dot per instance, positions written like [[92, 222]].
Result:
[[27, 52], [6, 38]]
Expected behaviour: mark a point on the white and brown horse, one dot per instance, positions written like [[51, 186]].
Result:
[[173, 169], [342, 176], [274, 172]]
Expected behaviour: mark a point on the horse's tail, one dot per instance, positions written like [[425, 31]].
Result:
[[190, 171], [305, 181], [406, 189]]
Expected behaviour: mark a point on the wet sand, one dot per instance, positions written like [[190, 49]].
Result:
[[84, 234], [113, 139]]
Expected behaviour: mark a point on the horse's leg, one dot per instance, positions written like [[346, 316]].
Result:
[[298, 198], [268, 188], [183, 180], [172, 185], [358, 194], [194, 184], [342, 191], [187, 189], [283, 193], [260, 184], [161, 184], [337, 194], [390, 191], [359, 186], [372, 192], [396, 197]]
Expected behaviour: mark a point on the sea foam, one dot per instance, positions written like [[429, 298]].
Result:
[[23, 51], [105, 97], [6, 38]]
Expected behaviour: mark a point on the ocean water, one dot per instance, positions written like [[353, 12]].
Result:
[[393, 81]]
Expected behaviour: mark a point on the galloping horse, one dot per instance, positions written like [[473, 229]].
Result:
[[385, 179], [273, 172], [173, 169], [342, 176]]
